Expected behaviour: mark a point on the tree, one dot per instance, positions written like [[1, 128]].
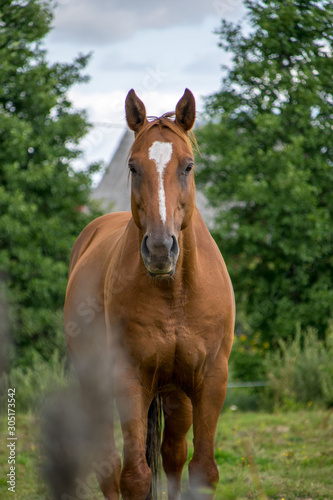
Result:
[[40, 193], [267, 166]]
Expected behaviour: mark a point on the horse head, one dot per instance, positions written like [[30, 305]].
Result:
[[162, 185]]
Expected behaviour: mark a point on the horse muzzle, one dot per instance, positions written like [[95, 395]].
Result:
[[160, 254]]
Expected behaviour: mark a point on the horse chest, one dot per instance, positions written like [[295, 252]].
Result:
[[170, 345]]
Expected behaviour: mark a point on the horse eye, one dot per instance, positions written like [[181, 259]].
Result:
[[189, 168], [132, 169]]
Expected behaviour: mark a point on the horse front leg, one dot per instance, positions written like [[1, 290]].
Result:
[[133, 404], [207, 404], [93, 363], [107, 465]]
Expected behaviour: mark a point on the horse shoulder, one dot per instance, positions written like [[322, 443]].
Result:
[[91, 255], [84, 304], [214, 301], [99, 230]]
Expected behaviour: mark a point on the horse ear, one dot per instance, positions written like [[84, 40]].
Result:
[[135, 111], [185, 111]]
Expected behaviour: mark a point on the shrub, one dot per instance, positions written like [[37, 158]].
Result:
[[247, 359], [243, 399], [34, 383], [301, 373], [246, 365]]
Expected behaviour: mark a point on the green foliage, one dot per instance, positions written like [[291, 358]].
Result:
[[247, 359], [302, 373], [267, 167], [246, 364], [34, 384], [244, 399], [298, 374], [287, 455], [40, 193]]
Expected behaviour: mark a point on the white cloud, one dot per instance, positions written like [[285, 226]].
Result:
[[103, 21], [156, 47]]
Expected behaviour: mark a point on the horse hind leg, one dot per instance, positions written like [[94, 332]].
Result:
[[178, 419]]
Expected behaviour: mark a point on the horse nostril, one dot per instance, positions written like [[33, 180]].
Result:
[[174, 248], [159, 249], [144, 248]]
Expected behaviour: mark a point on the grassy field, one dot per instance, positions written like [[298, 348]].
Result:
[[260, 456]]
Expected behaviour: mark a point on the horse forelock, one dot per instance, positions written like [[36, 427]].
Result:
[[166, 121]]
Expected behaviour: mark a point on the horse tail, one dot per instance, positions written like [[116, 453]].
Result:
[[153, 445]]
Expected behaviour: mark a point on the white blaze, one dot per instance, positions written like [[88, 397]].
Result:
[[160, 153]]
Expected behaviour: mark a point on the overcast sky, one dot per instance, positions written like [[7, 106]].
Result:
[[156, 47]]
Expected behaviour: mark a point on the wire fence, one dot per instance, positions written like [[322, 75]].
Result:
[[232, 385]]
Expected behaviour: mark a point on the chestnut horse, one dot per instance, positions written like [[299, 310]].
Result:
[[150, 289]]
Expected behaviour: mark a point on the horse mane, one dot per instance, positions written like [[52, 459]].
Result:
[[166, 121]]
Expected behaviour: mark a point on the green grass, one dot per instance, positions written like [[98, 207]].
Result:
[[260, 456]]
